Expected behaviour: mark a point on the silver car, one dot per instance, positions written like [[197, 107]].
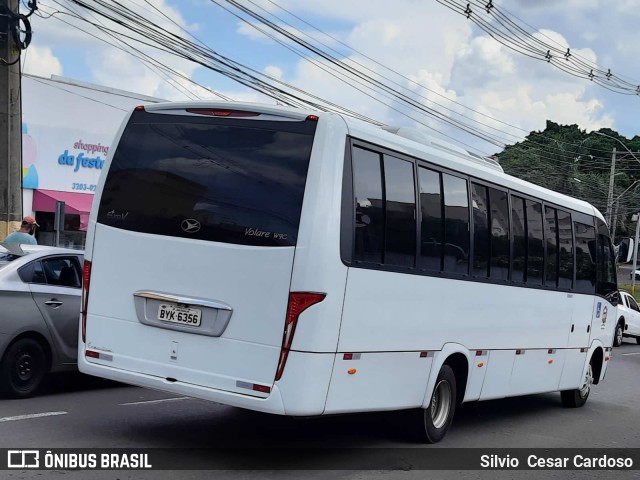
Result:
[[40, 289]]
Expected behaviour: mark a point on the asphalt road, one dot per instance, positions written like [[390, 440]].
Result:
[[82, 412]]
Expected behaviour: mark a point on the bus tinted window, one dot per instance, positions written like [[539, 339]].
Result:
[[367, 184], [234, 181], [456, 231], [431, 225], [565, 247], [480, 209], [400, 208], [585, 258], [606, 280], [551, 257], [518, 225], [499, 234], [535, 247]]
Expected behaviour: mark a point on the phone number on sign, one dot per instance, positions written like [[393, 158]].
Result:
[[83, 186]]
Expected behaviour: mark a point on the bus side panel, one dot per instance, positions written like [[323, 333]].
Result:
[[536, 371], [387, 311], [583, 311], [317, 265], [305, 383], [496, 380], [573, 367], [378, 381]]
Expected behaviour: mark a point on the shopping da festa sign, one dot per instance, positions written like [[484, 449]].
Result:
[[62, 159], [87, 155]]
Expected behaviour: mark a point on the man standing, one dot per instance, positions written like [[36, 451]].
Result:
[[25, 234]]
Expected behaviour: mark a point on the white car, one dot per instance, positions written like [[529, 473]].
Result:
[[628, 319]]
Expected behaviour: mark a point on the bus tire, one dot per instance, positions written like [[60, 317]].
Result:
[[438, 415], [23, 368], [617, 338], [578, 397]]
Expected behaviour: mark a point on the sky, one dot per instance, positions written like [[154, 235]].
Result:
[[436, 56]]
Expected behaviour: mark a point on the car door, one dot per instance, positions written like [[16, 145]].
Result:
[[633, 322], [56, 289]]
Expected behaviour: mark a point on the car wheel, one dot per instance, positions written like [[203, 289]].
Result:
[[638, 340], [23, 369], [578, 397], [617, 339], [437, 417]]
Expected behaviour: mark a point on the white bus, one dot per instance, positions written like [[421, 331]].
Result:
[[304, 263]]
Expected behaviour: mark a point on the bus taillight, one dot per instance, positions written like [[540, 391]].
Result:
[[86, 277], [298, 303]]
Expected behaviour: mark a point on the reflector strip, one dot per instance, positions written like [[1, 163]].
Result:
[[261, 388], [253, 386], [351, 356], [551, 351], [519, 352], [221, 113], [582, 350], [91, 354]]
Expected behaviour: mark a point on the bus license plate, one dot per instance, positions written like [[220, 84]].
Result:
[[182, 315]]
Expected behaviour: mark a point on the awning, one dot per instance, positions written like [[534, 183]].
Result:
[[75, 203]]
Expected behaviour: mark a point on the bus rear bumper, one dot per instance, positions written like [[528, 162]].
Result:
[[271, 404]]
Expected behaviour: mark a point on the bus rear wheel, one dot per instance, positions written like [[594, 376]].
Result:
[[438, 415], [578, 397]]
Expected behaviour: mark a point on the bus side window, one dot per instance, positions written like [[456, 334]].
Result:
[[499, 269], [535, 246], [400, 212], [456, 230], [585, 259], [565, 243], [519, 225], [481, 241], [551, 257], [431, 225], [606, 281], [369, 208]]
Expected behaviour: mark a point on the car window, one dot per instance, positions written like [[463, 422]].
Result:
[[625, 303], [58, 270]]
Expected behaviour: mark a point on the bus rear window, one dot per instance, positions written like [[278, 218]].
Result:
[[236, 181]]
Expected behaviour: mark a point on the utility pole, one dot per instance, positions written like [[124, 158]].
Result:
[[10, 120], [611, 181]]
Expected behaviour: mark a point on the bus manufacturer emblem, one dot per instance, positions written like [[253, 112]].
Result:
[[190, 225]]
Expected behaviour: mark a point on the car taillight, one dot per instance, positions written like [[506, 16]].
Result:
[[298, 303], [86, 277]]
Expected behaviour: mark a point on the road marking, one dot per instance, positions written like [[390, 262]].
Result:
[[31, 415], [634, 353], [156, 401]]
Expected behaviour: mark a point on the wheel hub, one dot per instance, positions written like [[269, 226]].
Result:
[[441, 404], [588, 381]]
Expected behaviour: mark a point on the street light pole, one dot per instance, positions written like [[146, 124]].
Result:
[[610, 196]]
